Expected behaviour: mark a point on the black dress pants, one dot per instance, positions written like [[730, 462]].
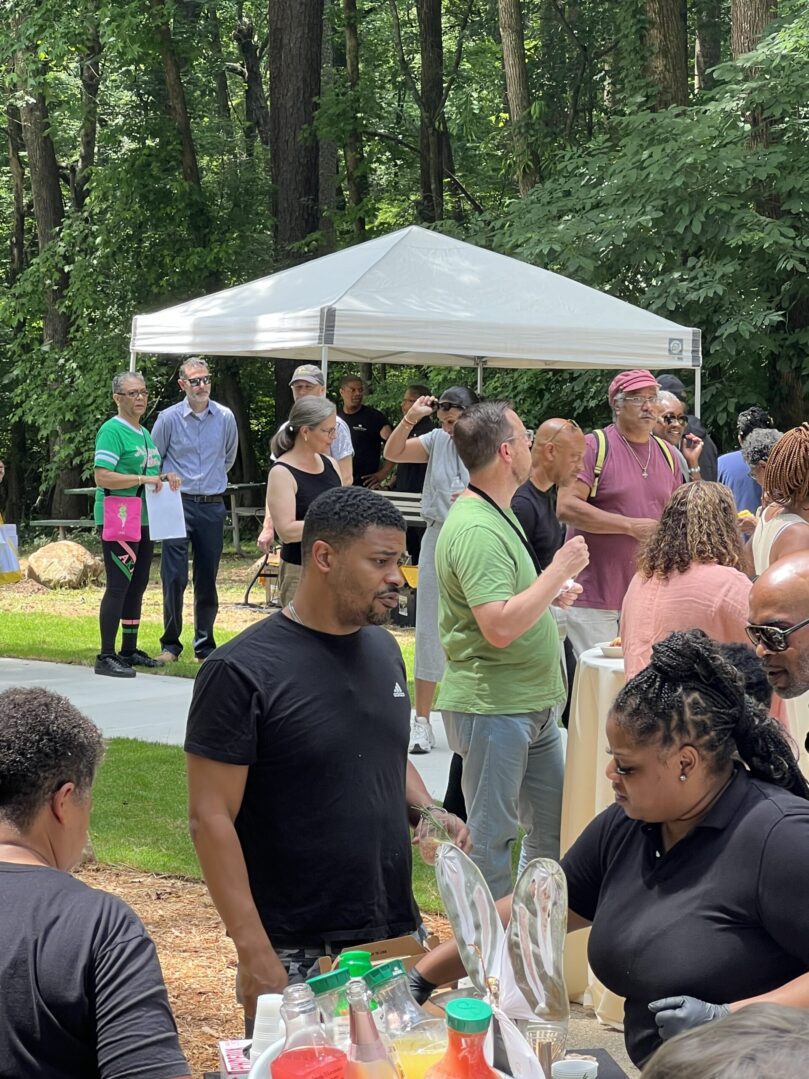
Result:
[[205, 524]]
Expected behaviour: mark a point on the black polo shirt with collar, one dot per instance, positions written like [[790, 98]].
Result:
[[722, 916]]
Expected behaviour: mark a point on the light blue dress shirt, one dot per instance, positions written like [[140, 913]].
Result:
[[199, 446]]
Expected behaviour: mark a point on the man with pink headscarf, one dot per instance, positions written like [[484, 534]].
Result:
[[615, 502]]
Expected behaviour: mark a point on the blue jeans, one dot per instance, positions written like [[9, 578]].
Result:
[[513, 770]]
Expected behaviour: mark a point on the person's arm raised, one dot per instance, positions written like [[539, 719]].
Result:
[[502, 621], [573, 508], [215, 792], [400, 447]]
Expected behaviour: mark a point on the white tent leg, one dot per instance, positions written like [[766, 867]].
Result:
[[324, 364], [133, 361], [479, 365], [697, 390]]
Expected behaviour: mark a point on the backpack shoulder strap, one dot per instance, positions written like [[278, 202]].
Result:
[[666, 452], [602, 449]]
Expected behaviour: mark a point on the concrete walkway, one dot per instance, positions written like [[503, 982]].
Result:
[[154, 707]]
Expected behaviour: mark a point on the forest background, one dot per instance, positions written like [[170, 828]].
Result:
[[161, 149]]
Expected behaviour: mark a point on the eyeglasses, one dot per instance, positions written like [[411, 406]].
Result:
[[133, 394], [204, 380], [559, 430], [527, 434], [328, 430], [773, 638], [446, 406], [641, 400], [670, 418]]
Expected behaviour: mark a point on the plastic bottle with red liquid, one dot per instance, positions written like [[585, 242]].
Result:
[[467, 1024], [307, 1053]]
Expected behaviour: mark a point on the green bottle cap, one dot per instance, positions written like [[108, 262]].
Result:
[[383, 973], [468, 1015], [325, 983], [356, 963]]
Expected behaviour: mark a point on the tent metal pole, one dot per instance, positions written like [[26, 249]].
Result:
[[479, 364], [324, 363], [697, 390], [133, 361]]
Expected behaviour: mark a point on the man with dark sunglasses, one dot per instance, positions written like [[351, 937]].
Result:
[[198, 439], [779, 629]]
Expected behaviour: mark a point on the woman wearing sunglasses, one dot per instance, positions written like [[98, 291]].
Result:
[[444, 480], [695, 881], [671, 424], [690, 575]]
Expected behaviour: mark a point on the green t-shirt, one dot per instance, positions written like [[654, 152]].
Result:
[[480, 559], [120, 448]]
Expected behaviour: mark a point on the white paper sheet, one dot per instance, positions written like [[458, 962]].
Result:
[[166, 517]]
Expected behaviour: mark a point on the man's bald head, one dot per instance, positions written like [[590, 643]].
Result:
[[780, 597], [558, 453]]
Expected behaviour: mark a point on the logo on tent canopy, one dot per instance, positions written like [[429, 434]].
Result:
[[675, 346]]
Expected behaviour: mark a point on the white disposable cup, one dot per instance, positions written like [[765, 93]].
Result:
[[574, 1069], [268, 1011]]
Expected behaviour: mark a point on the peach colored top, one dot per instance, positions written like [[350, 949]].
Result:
[[707, 597]]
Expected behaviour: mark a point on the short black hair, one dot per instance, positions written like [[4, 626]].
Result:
[[343, 514], [418, 388], [344, 381], [44, 742], [750, 667], [753, 419]]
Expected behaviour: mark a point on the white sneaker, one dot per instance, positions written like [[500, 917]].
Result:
[[422, 738]]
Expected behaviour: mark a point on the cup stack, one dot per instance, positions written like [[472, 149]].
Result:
[[269, 1026]]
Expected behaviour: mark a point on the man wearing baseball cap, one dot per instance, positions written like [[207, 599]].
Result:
[[617, 498], [307, 380]]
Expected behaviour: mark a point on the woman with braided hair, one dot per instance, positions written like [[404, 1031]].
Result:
[[784, 526], [695, 882]]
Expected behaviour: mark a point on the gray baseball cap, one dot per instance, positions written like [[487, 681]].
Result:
[[308, 372]]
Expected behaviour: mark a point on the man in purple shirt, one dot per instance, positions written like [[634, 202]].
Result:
[[637, 478]]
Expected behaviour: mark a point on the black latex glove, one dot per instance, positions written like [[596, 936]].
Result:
[[673, 1015], [419, 986]]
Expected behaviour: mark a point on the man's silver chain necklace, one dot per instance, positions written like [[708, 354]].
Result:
[[295, 616], [644, 469]]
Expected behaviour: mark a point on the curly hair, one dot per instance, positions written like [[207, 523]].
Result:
[[342, 514], [45, 742], [698, 525], [752, 419], [787, 474], [757, 447], [691, 693]]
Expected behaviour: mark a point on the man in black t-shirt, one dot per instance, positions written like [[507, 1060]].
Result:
[[369, 431], [410, 477], [300, 788]]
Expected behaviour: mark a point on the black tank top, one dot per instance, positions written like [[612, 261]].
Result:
[[309, 487]]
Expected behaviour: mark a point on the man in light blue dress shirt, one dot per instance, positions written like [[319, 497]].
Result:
[[198, 439]]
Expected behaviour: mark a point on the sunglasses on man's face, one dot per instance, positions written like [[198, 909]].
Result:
[[671, 418], [773, 638], [204, 380], [447, 406]]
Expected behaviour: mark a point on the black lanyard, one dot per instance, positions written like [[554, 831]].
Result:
[[488, 498]]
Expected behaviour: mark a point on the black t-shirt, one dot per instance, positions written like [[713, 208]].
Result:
[[410, 477], [365, 425], [708, 459], [536, 512], [322, 721], [722, 916], [81, 992]]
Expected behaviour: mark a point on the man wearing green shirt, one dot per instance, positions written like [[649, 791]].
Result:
[[503, 675]]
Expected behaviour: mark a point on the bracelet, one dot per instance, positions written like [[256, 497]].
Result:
[[694, 471], [407, 421]]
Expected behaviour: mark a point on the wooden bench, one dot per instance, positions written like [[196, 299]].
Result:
[[64, 524], [408, 503]]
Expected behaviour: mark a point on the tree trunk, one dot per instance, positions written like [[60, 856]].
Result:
[[327, 155], [356, 177], [748, 20], [18, 254], [295, 52], [220, 74], [176, 95], [90, 73], [230, 393], [256, 111], [707, 42], [666, 52], [519, 102], [432, 93]]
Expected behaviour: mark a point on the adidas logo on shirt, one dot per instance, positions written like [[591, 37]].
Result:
[[398, 691]]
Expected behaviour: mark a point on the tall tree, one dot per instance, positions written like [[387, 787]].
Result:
[[356, 175], [519, 101], [667, 65], [748, 20], [708, 32]]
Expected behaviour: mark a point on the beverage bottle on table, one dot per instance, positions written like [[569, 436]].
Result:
[[367, 1056], [307, 1053], [467, 1023], [330, 994], [417, 1040]]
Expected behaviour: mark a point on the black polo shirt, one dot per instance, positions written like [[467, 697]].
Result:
[[536, 512], [722, 916]]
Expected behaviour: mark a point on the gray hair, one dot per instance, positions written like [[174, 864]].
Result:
[[757, 446], [667, 399], [45, 742], [119, 380], [308, 412], [192, 361], [756, 1041], [480, 431]]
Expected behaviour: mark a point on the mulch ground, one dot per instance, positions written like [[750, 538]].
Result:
[[198, 960]]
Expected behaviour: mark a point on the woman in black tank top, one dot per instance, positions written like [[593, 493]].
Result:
[[301, 472]]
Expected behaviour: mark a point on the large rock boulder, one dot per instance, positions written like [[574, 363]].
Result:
[[64, 565]]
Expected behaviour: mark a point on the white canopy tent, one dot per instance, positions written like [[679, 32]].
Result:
[[419, 297]]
